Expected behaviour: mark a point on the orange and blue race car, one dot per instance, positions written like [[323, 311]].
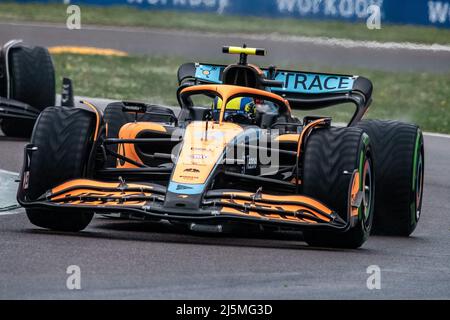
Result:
[[234, 156]]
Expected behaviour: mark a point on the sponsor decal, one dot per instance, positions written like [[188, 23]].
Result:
[[252, 162], [294, 82], [218, 6], [209, 73], [134, 108], [182, 187], [199, 149], [191, 178], [313, 83], [197, 156], [198, 164], [185, 189], [329, 8], [438, 12], [216, 135]]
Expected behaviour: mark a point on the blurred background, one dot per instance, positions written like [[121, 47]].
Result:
[[131, 49]]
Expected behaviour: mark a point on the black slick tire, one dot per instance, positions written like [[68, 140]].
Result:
[[399, 163], [331, 157], [62, 138]]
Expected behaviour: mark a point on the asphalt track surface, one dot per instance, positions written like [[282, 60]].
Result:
[[202, 46], [131, 259]]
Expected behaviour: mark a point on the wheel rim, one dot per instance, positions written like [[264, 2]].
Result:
[[419, 185]]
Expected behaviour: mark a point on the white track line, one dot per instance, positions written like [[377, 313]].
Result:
[[10, 212], [438, 135], [348, 43], [9, 172], [13, 210], [323, 41]]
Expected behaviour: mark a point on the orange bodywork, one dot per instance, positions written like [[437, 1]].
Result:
[[354, 192], [84, 192], [266, 216], [296, 203], [290, 137], [130, 131], [84, 187], [291, 198], [93, 183], [201, 150]]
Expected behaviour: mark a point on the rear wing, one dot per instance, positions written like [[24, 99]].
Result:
[[303, 90]]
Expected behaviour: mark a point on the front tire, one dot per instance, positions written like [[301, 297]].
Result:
[[63, 138], [331, 157]]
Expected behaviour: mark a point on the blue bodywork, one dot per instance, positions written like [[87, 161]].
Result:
[[294, 82]]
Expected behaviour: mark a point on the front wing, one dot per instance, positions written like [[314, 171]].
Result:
[[147, 201]]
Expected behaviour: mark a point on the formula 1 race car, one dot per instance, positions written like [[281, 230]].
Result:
[[27, 86], [234, 156]]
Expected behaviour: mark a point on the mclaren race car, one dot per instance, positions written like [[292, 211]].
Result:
[[234, 155], [27, 86]]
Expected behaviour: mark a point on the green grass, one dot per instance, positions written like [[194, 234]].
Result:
[[128, 16], [145, 78], [422, 98]]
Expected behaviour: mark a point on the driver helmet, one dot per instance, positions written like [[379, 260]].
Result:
[[241, 105]]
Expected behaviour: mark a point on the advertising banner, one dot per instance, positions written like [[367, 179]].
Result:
[[418, 12]]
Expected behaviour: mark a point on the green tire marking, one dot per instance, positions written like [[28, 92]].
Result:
[[415, 159], [416, 154], [413, 212]]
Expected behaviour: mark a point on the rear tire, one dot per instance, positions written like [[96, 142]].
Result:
[[63, 137], [32, 76], [330, 158], [399, 163], [32, 81]]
